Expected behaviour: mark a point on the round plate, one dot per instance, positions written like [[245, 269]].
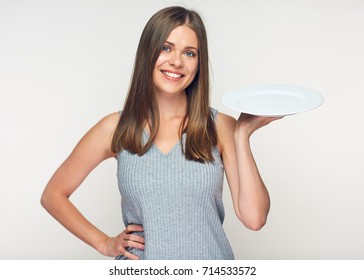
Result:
[[272, 100]]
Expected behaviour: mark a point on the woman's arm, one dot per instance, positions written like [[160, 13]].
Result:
[[91, 150], [250, 196]]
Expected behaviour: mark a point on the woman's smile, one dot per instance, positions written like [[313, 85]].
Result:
[[172, 75]]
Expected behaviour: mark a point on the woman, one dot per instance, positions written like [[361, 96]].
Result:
[[172, 150]]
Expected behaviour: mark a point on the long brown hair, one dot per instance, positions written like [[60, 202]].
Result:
[[141, 104]]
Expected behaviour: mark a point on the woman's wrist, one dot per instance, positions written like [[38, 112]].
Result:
[[102, 245], [241, 134]]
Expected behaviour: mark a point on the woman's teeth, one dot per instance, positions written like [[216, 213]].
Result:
[[172, 75]]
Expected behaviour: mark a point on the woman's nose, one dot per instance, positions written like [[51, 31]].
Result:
[[176, 60]]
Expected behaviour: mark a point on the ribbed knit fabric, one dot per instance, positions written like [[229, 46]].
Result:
[[178, 202]]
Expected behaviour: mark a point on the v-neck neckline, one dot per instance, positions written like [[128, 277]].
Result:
[[155, 146], [169, 152]]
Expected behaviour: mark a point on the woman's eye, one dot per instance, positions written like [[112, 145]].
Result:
[[190, 53], [166, 48]]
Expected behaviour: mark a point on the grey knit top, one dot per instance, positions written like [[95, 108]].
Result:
[[177, 201]]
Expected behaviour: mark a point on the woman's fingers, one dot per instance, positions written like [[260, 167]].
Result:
[[127, 234], [133, 237], [115, 246], [133, 227], [128, 239], [251, 123], [130, 256], [131, 243]]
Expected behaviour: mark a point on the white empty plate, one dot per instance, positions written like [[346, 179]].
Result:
[[272, 100]]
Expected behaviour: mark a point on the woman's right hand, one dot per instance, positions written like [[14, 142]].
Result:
[[116, 246]]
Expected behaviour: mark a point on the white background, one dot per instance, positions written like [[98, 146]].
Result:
[[66, 64]]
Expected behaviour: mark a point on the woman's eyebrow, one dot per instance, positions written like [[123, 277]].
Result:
[[186, 47]]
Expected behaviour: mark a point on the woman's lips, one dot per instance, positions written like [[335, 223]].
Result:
[[172, 75]]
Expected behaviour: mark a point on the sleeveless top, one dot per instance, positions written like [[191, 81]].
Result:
[[177, 201]]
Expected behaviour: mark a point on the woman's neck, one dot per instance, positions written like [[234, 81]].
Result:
[[171, 107]]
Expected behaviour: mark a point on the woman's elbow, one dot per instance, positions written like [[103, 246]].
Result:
[[44, 200], [47, 199], [253, 223], [256, 225]]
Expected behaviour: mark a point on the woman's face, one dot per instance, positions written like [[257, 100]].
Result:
[[177, 63]]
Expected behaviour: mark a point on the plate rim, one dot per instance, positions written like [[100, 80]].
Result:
[[265, 87]]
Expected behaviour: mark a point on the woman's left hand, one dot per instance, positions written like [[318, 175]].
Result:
[[248, 124]]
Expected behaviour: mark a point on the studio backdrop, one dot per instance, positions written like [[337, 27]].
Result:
[[66, 64]]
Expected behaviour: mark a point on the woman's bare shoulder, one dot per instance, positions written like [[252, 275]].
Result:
[[224, 122], [109, 122], [98, 139]]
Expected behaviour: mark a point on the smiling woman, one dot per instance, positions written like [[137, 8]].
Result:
[[172, 150], [166, 45]]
